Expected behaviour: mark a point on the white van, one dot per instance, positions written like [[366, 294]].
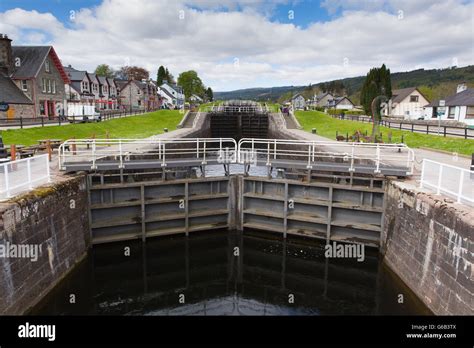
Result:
[[82, 113]]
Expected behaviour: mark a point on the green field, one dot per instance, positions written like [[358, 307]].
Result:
[[274, 107], [139, 127], [327, 126], [205, 106]]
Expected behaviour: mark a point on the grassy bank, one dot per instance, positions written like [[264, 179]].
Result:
[[327, 126], [274, 107], [142, 126]]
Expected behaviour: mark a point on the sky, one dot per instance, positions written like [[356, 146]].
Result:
[[235, 44]]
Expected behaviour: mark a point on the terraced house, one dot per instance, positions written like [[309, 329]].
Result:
[[138, 95]]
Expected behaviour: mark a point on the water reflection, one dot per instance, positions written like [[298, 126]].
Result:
[[204, 268]]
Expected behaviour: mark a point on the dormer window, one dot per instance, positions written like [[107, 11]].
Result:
[[46, 66], [413, 98], [85, 86]]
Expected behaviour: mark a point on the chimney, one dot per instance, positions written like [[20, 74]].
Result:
[[6, 61], [461, 87]]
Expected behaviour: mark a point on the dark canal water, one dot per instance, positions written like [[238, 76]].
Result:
[[213, 281]]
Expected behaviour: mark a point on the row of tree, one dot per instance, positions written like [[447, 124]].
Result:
[[188, 80]]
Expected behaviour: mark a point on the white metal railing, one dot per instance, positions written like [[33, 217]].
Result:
[[226, 151], [452, 181], [312, 152], [22, 175], [163, 150]]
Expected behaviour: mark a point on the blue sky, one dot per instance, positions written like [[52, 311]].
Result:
[[59, 8], [305, 12], [325, 40]]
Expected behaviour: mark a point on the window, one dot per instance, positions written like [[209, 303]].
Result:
[[49, 85], [105, 89], [85, 86], [46, 66], [413, 99], [24, 85], [43, 85], [452, 110], [470, 112], [54, 86]]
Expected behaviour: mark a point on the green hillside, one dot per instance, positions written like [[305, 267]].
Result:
[[434, 83]]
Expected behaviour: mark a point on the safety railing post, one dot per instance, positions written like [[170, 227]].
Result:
[[93, 154], [274, 149], [28, 172], [7, 181], [351, 169], [48, 171], [461, 181], [422, 178], [204, 153], [268, 153], [163, 163], [309, 156], [438, 186], [120, 154], [377, 160]]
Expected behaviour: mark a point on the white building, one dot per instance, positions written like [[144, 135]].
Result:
[[458, 107], [407, 103], [340, 103], [298, 102], [195, 98], [172, 94]]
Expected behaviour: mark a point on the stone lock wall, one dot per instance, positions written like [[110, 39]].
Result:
[[55, 219], [428, 242]]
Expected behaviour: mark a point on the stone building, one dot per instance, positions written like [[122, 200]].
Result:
[[38, 73], [138, 95], [13, 102]]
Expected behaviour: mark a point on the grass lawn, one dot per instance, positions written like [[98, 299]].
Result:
[[141, 126], [327, 126], [274, 107], [203, 107]]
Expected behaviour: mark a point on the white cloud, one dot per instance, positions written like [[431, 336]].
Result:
[[213, 34]]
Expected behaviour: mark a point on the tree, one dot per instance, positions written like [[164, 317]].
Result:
[[377, 83], [132, 73], [104, 70], [191, 83], [168, 76], [161, 76], [209, 94]]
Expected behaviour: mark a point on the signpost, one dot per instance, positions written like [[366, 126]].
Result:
[[440, 111]]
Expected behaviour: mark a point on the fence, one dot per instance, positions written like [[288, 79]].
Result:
[[426, 128], [372, 157], [145, 153], [22, 175], [59, 120], [454, 182]]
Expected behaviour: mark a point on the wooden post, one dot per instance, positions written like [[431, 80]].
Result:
[[73, 146], [13, 152], [49, 150]]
